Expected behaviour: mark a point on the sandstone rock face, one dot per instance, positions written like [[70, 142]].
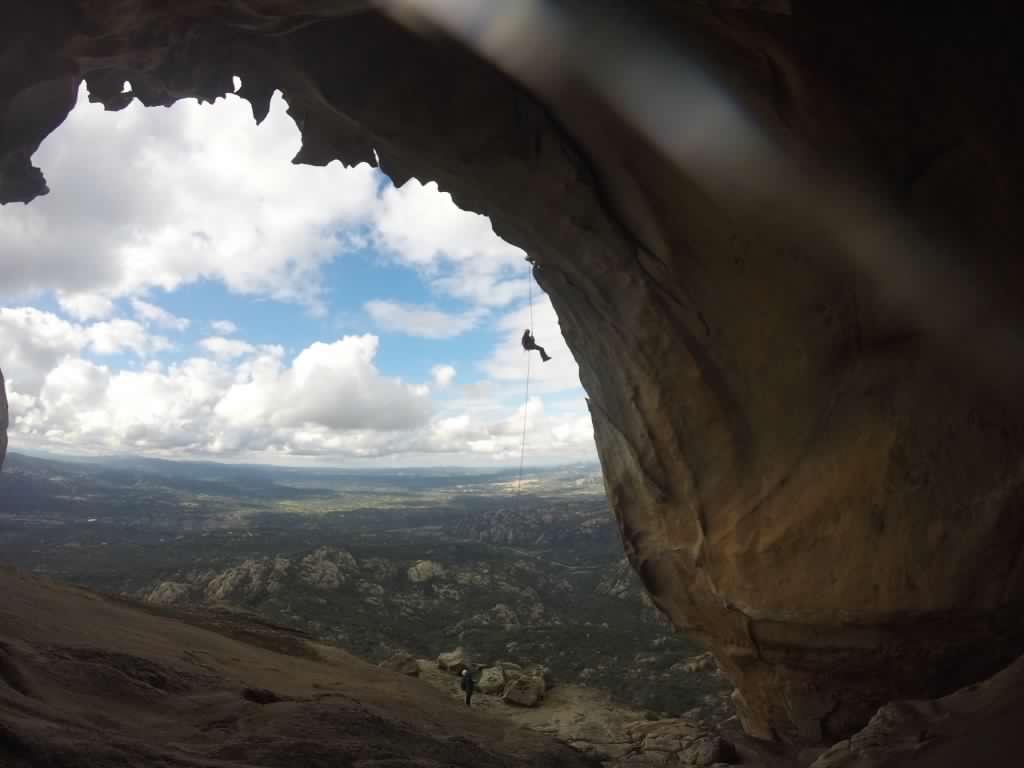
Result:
[[453, 661], [798, 388], [492, 681], [3, 420], [979, 725]]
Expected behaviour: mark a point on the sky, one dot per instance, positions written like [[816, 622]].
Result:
[[184, 291]]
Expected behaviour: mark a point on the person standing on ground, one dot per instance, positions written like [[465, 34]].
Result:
[[467, 685]]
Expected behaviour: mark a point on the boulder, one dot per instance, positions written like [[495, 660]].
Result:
[[524, 692], [453, 661], [492, 681], [540, 673], [424, 570]]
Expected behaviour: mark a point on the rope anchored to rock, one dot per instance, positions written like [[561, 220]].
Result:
[[529, 344]]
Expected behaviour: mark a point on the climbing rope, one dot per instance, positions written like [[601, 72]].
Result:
[[526, 399]]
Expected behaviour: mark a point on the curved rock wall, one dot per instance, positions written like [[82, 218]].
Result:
[[798, 414]]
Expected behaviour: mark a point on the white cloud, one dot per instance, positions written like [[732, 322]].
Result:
[[164, 197], [337, 386], [456, 250], [85, 306], [33, 342], [226, 348], [331, 396], [167, 197], [112, 337], [224, 327], [423, 321], [151, 313], [442, 375], [330, 400]]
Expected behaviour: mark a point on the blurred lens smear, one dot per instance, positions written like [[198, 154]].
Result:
[[702, 125]]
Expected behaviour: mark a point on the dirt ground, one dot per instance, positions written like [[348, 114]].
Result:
[[87, 682], [94, 682]]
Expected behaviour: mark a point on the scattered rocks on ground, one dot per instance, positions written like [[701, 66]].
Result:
[[674, 742], [589, 721]]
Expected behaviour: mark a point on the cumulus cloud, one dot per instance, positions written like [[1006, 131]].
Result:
[[328, 395], [456, 250], [423, 321], [151, 313], [34, 342], [442, 375], [226, 348], [164, 197], [112, 337], [337, 386], [85, 306], [497, 434], [224, 327], [330, 400]]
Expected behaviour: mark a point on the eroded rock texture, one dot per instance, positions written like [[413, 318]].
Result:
[[805, 410], [977, 725]]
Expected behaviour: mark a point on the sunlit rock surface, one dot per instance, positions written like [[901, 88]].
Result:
[[803, 392]]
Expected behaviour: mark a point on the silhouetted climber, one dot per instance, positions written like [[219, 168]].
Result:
[[467, 685], [529, 343]]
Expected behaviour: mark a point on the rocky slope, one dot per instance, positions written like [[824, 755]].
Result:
[[616, 736], [977, 725], [804, 390], [87, 682], [581, 622]]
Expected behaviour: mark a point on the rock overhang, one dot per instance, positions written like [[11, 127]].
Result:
[[799, 403]]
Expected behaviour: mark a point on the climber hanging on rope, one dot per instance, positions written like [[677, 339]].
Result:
[[529, 343]]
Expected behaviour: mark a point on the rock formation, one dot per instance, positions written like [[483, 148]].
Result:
[[453, 661], [804, 390], [978, 725]]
